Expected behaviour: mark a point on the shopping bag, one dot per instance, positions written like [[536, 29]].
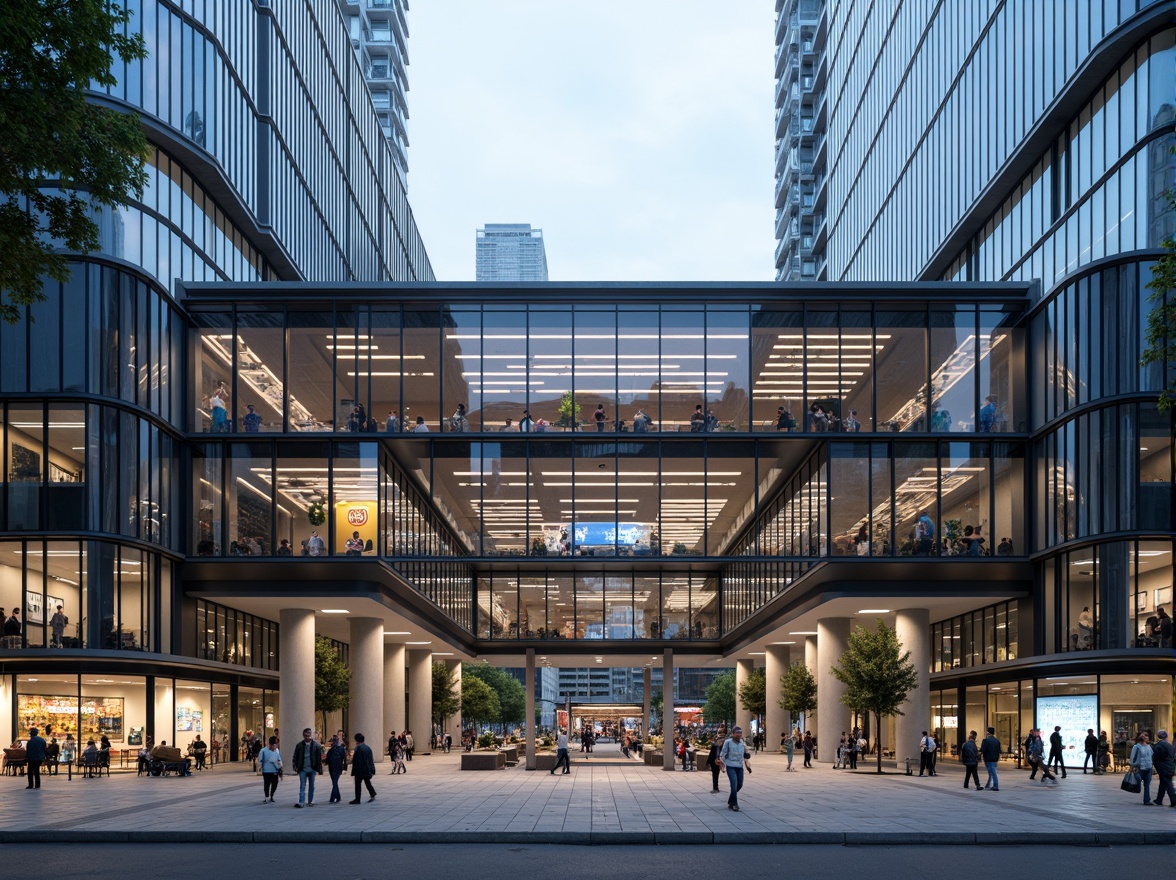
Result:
[[1131, 782]]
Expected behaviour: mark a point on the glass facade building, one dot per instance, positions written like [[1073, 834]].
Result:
[[217, 444], [510, 252]]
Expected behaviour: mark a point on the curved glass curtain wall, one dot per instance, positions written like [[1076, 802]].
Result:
[[1109, 595], [897, 368], [112, 596], [204, 79], [1099, 190]]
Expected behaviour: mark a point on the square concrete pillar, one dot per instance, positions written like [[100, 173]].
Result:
[[668, 726]]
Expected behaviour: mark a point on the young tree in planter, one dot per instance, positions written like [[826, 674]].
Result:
[[720, 699], [446, 702], [479, 704], [877, 674], [798, 690], [332, 680], [753, 695]]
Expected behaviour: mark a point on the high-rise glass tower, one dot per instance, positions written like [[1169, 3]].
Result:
[[379, 35], [980, 141], [511, 252]]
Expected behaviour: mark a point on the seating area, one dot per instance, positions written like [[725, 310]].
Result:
[[483, 761]]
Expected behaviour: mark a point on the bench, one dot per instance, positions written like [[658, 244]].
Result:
[[510, 755], [183, 767], [545, 761], [483, 761]]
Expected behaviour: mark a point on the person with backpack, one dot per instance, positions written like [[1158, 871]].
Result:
[[1035, 752], [970, 756]]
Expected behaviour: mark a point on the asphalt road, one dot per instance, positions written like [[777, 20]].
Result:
[[508, 862]]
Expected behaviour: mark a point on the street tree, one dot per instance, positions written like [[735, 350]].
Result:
[[877, 674], [61, 156], [446, 701], [753, 693], [720, 699], [332, 679], [512, 696], [479, 703], [798, 691]]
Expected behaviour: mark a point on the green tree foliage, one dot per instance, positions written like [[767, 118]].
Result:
[[656, 702], [50, 53], [798, 690], [753, 694], [512, 696], [446, 702], [720, 699], [569, 411], [876, 673], [332, 679], [479, 703], [1161, 321]]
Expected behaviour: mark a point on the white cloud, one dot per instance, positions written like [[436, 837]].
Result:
[[637, 135]]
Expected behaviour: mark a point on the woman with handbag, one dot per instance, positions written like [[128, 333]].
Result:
[[1141, 763], [271, 769]]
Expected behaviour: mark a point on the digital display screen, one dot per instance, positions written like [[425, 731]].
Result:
[[1075, 715]]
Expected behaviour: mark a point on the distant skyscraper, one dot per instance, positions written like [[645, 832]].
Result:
[[511, 252]]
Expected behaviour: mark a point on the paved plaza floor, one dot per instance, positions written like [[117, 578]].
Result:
[[603, 800]]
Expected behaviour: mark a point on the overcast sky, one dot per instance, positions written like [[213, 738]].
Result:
[[637, 135]]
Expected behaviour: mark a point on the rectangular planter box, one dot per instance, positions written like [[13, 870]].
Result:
[[483, 761], [510, 755], [545, 761]]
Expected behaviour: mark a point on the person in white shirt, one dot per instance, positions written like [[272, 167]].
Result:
[[561, 753], [421, 427], [927, 754], [733, 758]]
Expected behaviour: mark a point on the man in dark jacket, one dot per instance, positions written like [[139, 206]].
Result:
[[1055, 750], [970, 756], [363, 768], [308, 763], [35, 754], [336, 764], [990, 754], [1163, 759], [1091, 746]]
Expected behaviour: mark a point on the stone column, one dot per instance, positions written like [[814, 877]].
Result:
[[366, 707], [834, 717], [810, 660], [645, 725], [668, 728], [913, 628], [777, 721], [743, 669], [420, 700], [395, 718], [532, 724], [453, 723], [296, 673]]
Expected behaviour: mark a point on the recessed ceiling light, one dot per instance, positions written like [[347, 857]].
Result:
[[804, 633], [783, 643], [418, 643], [389, 632], [335, 611], [442, 653], [756, 653], [874, 611]]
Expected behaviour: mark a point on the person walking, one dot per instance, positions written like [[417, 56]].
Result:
[[732, 758], [927, 754], [990, 753], [1056, 750], [1163, 758], [409, 745], [57, 623], [308, 763], [1104, 753], [970, 756], [712, 763], [270, 760], [808, 749], [1143, 763], [789, 748], [363, 768], [561, 753], [1090, 744], [1035, 750], [336, 764], [35, 751]]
